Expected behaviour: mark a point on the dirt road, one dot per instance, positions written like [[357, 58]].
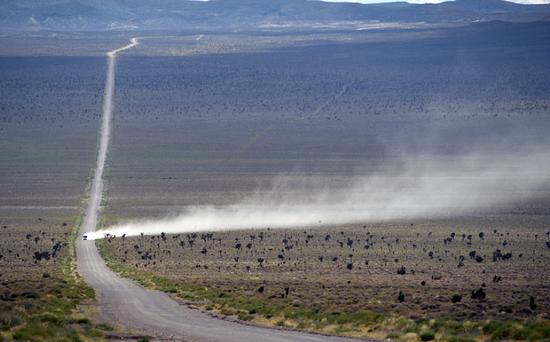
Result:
[[128, 304]]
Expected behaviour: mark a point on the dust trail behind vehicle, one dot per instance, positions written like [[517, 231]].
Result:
[[419, 187]]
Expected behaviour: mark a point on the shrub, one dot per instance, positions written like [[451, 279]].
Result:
[[456, 298], [479, 294], [427, 336]]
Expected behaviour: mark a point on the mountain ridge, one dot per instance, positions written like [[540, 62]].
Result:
[[83, 15]]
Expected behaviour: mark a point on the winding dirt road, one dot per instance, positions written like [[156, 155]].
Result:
[[128, 304]]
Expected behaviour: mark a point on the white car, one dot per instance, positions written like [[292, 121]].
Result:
[[84, 237]]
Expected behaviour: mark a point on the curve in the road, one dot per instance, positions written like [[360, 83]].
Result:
[[130, 305]]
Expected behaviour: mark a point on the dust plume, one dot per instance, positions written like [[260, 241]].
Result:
[[421, 187]]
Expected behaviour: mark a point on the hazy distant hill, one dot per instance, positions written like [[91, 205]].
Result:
[[182, 14]]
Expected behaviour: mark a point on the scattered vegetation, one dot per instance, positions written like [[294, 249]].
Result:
[[40, 298], [482, 279], [244, 274]]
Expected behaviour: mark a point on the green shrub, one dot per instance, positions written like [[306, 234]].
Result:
[[427, 336]]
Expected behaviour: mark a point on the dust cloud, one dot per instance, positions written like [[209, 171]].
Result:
[[412, 188]]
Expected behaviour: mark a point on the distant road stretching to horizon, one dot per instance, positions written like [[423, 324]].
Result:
[[130, 305]]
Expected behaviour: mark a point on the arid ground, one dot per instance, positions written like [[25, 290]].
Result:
[[42, 172], [212, 123], [211, 129], [308, 278]]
